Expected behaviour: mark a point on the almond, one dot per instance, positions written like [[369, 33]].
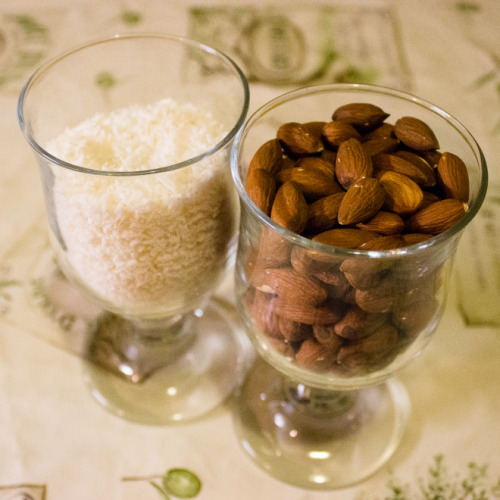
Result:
[[370, 349], [336, 132], [322, 214], [263, 316], [415, 134], [298, 140], [380, 145], [302, 313], [453, 177], [384, 131], [261, 187], [314, 181], [384, 223], [356, 323], [389, 242], [352, 163], [290, 208], [361, 202], [402, 195], [326, 335], [396, 163], [378, 299], [364, 116], [345, 237], [288, 283], [414, 238], [422, 164], [437, 217], [294, 331], [268, 157], [315, 356]]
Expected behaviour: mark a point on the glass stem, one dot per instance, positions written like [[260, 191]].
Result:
[[319, 402]]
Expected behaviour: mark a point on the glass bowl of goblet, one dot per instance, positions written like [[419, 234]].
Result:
[[336, 308], [132, 135]]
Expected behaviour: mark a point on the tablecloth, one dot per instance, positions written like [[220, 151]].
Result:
[[57, 443]]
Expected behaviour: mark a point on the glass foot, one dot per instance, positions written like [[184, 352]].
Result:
[[317, 439], [159, 381]]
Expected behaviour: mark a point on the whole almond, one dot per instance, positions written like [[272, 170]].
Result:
[[322, 214], [380, 145], [294, 331], [402, 195], [304, 313], [396, 163], [326, 335], [314, 182], [383, 131], [315, 356], [352, 163], [290, 208], [336, 132], [288, 283], [261, 187], [422, 164], [356, 323], [437, 217], [389, 242], [258, 306], [345, 237], [268, 157], [453, 178], [361, 202], [299, 140], [378, 299], [370, 349], [364, 116], [415, 134], [384, 223]]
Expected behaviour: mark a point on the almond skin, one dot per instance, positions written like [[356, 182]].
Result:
[[261, 187], [352, 163], [268, 157], [415, 134], [396, 163], [304, 313], [345, 237], [322, 213], [361, 202], [363, 116], [437, 217], [290, 208], [453, 178], [384, 223], [298, 140], [336, 132], [380, 145], [403, 196], [422, 164], [288, 283], [312, 181]]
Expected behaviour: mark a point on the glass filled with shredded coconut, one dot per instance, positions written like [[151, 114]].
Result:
[[132, 135]]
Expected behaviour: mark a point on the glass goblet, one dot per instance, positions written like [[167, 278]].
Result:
[[132, 135], [321, 409]]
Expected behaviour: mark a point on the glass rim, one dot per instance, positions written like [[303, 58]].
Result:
[[44, 67], [296, 239]]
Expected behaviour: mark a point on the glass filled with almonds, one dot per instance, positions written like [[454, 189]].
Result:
[[353, 201]]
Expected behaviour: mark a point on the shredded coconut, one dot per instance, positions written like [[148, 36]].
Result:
[[150, 244]]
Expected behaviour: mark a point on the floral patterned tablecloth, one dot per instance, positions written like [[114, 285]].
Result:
[[57, 443]]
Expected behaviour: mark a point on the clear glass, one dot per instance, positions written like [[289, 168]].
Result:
[[312, 413], [145, 237]]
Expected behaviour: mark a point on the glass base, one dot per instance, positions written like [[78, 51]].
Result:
[[159, 380], [318, 439]]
